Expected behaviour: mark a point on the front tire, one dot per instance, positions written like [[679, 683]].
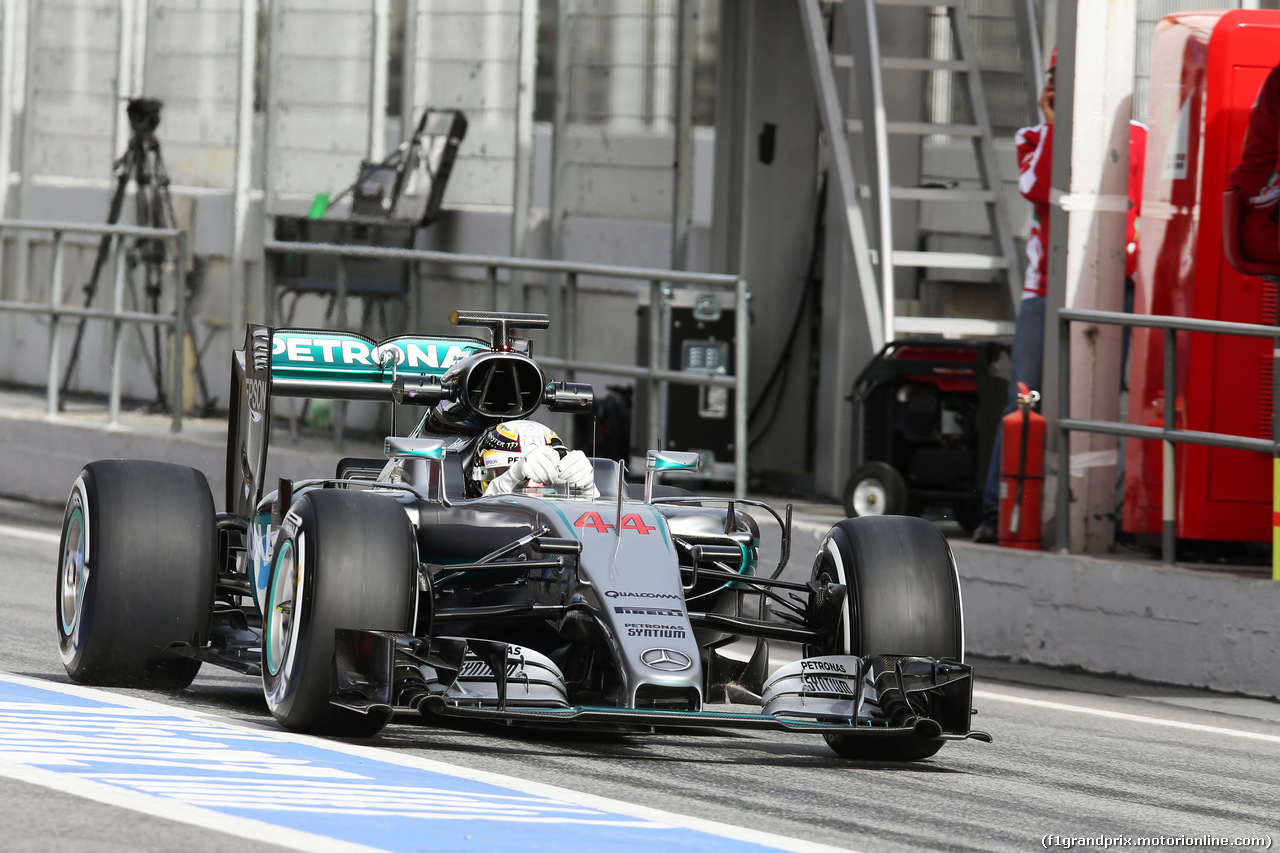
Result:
[[343, 559], [139, 562], [903, 599]]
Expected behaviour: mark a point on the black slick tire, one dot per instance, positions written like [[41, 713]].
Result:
[[138, 563], [903, 599], [343, 559]]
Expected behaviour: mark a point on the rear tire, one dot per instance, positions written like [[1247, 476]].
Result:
[[139, 562], [343, 559], [903, 599], [875, 489]]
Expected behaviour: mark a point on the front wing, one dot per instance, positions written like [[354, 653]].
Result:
[[876, 697]]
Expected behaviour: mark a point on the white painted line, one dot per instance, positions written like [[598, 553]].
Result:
[[1120, 715], [30, 533], [269, 731], [163, 807]]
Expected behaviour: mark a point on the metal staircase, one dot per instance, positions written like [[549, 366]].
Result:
[[867, 67]]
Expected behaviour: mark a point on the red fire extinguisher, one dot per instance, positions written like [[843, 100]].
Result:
[[1022, 474]]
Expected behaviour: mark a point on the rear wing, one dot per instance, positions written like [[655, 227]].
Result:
[[318, 364], [346, 366]]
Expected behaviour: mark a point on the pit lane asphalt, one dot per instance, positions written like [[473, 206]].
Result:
[[1074, 755]]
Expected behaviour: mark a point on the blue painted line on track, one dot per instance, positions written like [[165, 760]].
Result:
[[338, 791]]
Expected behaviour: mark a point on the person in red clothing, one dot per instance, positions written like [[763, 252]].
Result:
[[1255, 176], [1034, 146]]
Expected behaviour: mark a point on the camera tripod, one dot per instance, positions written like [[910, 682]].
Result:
[[143, 164]]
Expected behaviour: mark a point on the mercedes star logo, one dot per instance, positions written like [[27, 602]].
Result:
[[667, 660]]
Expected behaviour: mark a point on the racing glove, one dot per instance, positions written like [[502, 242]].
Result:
[[538, 465], [577, 472]]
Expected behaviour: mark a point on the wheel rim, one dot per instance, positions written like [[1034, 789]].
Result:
[[280, 607], [844, 642], [74, 573], [870, 497], [831, 564]]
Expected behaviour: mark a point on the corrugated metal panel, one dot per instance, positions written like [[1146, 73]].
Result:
[[1000, 56], [1149, 14]]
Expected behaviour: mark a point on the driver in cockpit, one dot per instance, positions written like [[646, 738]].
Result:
[[516, 455]]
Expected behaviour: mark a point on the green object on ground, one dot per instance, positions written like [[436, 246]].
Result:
[[319, 205], [318, 414]]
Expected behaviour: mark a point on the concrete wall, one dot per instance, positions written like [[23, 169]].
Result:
[[1143, 620]]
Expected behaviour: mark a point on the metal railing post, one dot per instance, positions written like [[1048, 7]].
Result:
[[570, 324], [556, 286], [653, 435], [178, 387], [115, 314], [741, 359], [1169, 434], [1275, 454], [117, 332], [55, 339], [1062, 520], [337, 408], [340, 293], [414, 302], [1168, 490], [491, 280], [566, 338]]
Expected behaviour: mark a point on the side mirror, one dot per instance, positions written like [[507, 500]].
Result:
[[424, 457], [661, 461], [418, 390], [413, 448], [571, 397]]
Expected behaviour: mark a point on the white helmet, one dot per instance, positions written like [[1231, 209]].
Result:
[[502, 446]]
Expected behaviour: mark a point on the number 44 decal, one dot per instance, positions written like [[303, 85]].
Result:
[[630, 521]]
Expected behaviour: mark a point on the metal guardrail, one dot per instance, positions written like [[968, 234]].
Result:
[[56, 311], [562, 291], [1168, 435]]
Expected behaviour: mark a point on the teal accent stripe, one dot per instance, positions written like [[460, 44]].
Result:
[[438, 453]]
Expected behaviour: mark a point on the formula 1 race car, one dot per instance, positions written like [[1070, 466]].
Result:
[[391, 588]]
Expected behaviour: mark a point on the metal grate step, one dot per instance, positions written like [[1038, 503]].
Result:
[[940, 194], [906, 63], [951, 327], [949, 260], [918, 128]]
